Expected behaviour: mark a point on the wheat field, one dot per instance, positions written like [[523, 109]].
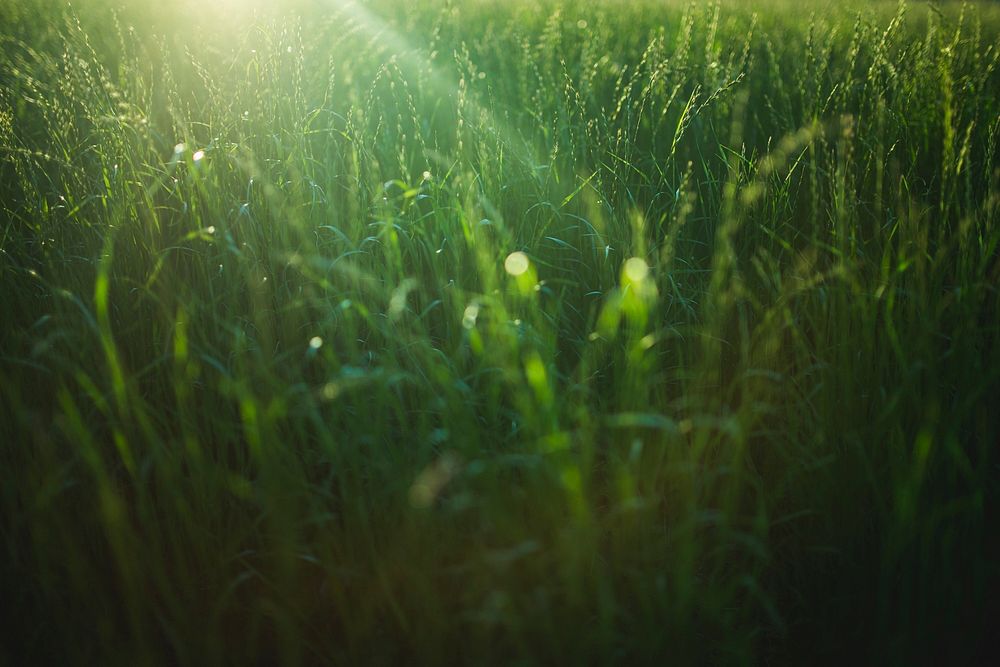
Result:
[[467, 332]]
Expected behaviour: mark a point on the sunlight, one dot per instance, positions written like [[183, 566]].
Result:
[[444, 85]]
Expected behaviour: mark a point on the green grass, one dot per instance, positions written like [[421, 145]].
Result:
[[435, 332]]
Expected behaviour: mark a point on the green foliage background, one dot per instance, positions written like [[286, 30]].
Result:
[[432, 332]]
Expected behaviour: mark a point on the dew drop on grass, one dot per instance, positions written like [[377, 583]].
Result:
[[516, 263], [636, 269], [315, 343], [470, 315], [198, 156]]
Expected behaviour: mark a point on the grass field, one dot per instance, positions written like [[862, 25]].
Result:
[[477, 332]]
